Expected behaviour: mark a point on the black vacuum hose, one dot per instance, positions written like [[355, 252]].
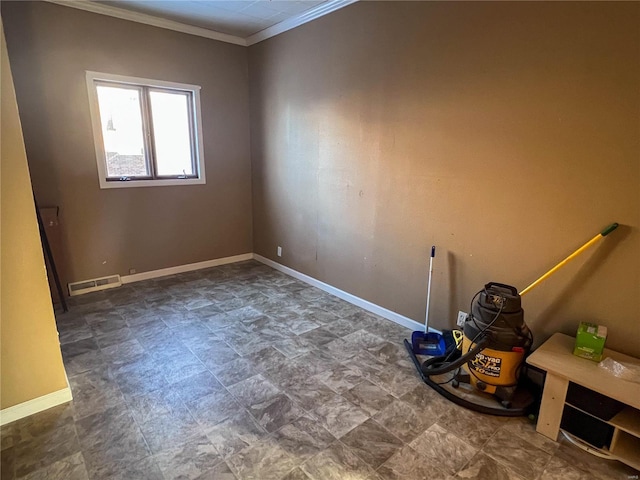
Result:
[[426, 366]]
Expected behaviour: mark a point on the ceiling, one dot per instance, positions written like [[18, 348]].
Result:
[[242, 22], [241, 18]]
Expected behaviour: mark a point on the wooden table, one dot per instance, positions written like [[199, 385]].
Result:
[[556, 357]]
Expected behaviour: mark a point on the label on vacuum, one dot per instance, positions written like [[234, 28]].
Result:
[[487, 365]]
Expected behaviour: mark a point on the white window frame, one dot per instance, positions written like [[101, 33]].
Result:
[[96, 77]]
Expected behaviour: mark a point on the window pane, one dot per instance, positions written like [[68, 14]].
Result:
[[122, 131], [172, 133]]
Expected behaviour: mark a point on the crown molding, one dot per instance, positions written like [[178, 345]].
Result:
[[278, 28], [149, 20], [305, 17]]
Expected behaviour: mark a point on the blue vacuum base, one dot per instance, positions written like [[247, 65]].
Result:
[[431, 344]]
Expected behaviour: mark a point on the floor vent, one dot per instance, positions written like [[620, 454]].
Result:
[[94, 285]]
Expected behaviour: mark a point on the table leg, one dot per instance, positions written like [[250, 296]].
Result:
[[553, 398]]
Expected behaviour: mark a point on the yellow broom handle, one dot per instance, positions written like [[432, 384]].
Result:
[[602, 234]]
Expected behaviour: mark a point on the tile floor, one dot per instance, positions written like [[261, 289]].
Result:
[[241, 372]]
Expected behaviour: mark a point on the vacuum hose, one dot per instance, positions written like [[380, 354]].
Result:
[[429, 366]]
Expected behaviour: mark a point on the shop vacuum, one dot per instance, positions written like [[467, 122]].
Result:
[[489, 363]]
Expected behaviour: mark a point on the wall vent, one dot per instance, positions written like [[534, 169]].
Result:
[[94, 285]]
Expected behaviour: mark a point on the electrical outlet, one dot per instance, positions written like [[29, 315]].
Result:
[[462, 317], [279, 251], [132, 271]]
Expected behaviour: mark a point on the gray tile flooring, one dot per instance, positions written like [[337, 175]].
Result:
[[241, 372]]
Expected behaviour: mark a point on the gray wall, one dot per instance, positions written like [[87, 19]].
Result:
[[50, 47], [505, 133]]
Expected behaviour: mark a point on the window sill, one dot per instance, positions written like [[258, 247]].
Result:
[[151, 183]]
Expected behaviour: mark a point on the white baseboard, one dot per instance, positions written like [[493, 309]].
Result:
[[359, 302], [45, 402], [189, 267], [16, 412]]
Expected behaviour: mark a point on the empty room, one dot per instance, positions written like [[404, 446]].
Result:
[[320, 239]]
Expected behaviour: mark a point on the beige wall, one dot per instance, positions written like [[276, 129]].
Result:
[[505, 133], [30, 359], [112, 231]]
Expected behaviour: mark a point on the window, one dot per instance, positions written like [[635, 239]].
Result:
[[146, 132]]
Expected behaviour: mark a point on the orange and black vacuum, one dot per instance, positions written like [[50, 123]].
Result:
[[497, 324], [494, 345], [491, 357]]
